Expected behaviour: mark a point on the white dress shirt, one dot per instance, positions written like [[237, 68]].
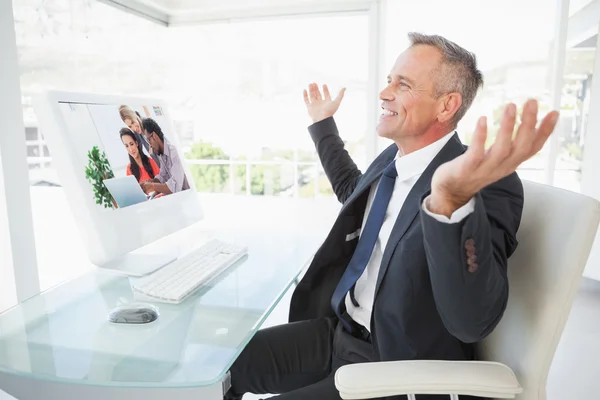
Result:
[[409, 167]]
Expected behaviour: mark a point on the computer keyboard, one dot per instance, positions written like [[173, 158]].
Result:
[[176, 281]]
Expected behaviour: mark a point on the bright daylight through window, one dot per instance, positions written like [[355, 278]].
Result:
[[234, 90]]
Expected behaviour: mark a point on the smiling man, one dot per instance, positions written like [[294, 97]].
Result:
[[415, 266]]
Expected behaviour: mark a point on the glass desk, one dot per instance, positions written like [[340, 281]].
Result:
[[60, 345]]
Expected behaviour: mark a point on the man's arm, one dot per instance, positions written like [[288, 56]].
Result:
[[161, 188], [341, 171], [175, 182], [467, 260], [158, 183]]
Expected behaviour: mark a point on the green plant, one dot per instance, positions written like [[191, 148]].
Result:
[[97, 170]]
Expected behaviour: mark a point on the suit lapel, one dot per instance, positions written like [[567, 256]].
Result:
[[412, 204], [370, 176]]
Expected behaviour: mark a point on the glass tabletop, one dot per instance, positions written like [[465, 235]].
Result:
[[63, 334]]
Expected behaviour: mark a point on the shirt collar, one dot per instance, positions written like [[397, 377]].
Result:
[[413, 164], [166, 148]]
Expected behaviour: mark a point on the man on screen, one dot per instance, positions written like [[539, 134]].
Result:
[[171, 178]]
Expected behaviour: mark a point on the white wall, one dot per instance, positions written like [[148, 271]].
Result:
[[12, 146], [8, 292]]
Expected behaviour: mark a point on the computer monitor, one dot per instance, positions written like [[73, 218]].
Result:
[[127, 187]]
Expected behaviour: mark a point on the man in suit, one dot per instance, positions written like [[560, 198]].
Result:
[[415, 265]]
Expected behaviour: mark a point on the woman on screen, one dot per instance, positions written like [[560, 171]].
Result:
[[140, 165], [134, 122]]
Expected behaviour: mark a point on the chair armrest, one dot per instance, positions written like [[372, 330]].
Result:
[[392, 378]]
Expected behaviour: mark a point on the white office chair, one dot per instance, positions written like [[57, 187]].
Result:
[[555, 237]]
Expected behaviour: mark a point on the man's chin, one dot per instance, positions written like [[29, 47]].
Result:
[[384, 133]]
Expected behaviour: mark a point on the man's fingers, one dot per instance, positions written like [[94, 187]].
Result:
[[311, 91], [526, 131], [522, 148], [476, 151], [315, 93], [530, 110], [326, 93], [503, 144], [340, 96], [544, 131], [305, 93]]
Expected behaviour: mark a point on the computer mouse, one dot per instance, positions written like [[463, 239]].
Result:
[[133, 313]]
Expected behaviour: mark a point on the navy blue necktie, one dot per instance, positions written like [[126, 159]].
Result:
[[366, 243]]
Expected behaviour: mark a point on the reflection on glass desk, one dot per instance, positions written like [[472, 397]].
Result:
[[63, 334]]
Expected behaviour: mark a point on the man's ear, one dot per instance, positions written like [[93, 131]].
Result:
[[448, 106]]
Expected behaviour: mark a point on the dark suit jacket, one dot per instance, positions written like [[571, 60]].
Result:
[[430, 301]]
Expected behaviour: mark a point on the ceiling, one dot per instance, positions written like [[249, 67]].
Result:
[[178, 12], [584, 25], [589, 43]]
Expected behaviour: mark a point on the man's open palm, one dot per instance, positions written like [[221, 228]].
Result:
[[461, 178], [320, 106]]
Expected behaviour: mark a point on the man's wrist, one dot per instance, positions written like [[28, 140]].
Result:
[[149, 187], [320, 118], [446, 205]]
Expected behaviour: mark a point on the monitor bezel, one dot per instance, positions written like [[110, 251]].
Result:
[[108, 233]]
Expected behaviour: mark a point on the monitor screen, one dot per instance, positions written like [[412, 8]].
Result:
[[120, 166], [129, 153]]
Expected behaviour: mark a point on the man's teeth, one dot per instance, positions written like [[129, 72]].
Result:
[[388, 112]]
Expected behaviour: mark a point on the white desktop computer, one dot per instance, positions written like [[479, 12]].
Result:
[[82, 131], [127, 187]]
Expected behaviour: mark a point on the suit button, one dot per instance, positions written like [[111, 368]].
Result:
[[471, 257], [469, 244]]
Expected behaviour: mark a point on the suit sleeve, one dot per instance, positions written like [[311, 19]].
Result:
[[341, 171], [467, 260]]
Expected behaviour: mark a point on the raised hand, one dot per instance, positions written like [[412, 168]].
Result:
[[321, 107], [456, 181]]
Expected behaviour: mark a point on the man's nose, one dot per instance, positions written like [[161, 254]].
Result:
[[386, 94]]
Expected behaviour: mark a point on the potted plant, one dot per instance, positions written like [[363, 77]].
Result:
[[97, 170]]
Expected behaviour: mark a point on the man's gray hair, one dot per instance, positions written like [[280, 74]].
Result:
[[458, 72]]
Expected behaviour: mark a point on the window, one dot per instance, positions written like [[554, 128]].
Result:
[[575, 110], [251, 117], [576, 96], [516, 62], [234, 92]]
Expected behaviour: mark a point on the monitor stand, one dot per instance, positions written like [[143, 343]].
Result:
[[143, 261]]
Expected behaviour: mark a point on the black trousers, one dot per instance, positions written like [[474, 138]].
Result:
[[298, 360]]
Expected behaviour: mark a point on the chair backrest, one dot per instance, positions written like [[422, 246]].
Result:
[[555, 238]]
